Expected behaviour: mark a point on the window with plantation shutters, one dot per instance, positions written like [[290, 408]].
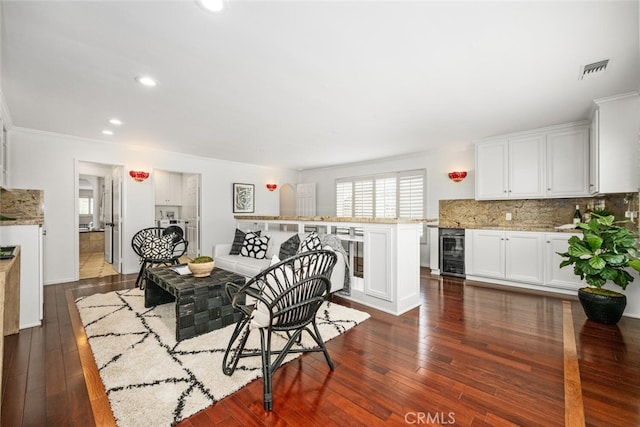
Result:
[[363, 198], [411, 195], [344, 198], [386, 197], [389, 195]]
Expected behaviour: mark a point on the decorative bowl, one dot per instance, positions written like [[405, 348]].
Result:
[[201, 269]]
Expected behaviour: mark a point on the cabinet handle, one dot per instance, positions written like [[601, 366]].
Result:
[[548, 189], [548, 241]]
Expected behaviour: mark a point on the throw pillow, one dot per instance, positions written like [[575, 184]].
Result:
[[158, 247], [237, 241], [290, 247], [282, 277], [255, 246], [310, 243]]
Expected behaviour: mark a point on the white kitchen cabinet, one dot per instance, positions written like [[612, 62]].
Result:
[[554, 275], [510, 168], [614, 145], [524, 256], [378, 262], [168, 188], [540, 163], [484, 253], [29, 237], [492, 170], [568, 162], [509, 255]]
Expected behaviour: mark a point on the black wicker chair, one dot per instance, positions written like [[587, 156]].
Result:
[[283, 298], [158, 246]]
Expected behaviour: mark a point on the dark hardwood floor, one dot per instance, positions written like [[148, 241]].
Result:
[[469, 355]]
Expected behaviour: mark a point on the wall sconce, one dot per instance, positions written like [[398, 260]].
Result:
[[457, 176], [139, 175], [272, 187]]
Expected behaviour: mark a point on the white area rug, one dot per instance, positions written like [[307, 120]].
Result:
[[153, 381]]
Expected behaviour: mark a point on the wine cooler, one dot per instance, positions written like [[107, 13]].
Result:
[[452, 252]]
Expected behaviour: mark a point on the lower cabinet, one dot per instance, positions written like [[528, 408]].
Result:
[[554, 275], [509, 255], [520, 258]]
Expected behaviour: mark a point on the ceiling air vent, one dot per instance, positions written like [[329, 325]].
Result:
[[590, 70]]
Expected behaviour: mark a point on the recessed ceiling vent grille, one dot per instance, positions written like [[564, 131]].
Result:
[[590, 70]]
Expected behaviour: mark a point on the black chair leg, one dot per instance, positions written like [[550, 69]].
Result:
[[142, 269], [228, 366], [266, 371], [318, 338]]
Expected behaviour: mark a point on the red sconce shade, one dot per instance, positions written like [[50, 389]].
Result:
[[457, 176], [272, 187], [139, 175]]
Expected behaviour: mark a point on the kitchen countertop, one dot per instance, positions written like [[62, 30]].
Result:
[[23, 221], [332, 219], [525, 228]]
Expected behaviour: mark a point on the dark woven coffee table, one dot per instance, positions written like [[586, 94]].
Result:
[[202, 304]]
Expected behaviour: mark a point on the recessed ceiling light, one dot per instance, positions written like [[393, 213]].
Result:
[[107, 132], [115, 122], [146, 81], [211, 5]]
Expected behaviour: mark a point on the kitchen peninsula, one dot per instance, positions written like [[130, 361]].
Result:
[[384, 254]]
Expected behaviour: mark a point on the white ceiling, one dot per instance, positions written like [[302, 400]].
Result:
[[303, 84]]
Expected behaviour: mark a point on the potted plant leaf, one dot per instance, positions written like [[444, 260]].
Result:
[[601, 255]]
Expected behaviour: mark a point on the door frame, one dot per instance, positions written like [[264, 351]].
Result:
[[76, 220]]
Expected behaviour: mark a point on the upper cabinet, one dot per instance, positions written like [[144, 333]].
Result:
[[549, 162], [168, 188], [568, 162], [613, 165]]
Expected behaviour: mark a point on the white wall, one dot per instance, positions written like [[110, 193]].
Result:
[[437, 163], [50, 162]]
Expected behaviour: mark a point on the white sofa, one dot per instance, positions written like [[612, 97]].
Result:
[[249, 267]]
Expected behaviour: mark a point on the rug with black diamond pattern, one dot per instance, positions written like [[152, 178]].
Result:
[[152, 380]]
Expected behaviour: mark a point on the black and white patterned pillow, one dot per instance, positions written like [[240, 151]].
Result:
[[289, 247], [310, 243], [237, 241], [255, 246], [158, 247]]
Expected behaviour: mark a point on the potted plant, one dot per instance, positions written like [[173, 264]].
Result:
[[201, 266], [602, 255]]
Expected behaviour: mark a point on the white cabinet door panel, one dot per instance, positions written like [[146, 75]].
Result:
[[524, 257], [487, 254], [526, 165], [568, 163], [554, 275], [378, 263], [491, 170]]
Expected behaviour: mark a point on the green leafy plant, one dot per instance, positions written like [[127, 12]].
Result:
[[201, 259], [603, 253]]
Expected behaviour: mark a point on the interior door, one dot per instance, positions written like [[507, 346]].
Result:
[[117, 219], [191, 212], [306, 199], [107, 212]]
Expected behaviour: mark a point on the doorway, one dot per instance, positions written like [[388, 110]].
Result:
[[177, 198], [98, 213]]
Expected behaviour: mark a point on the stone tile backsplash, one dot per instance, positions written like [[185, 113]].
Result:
[[529, 214]]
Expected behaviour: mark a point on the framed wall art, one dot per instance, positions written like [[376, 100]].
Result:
[[243, 198]]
